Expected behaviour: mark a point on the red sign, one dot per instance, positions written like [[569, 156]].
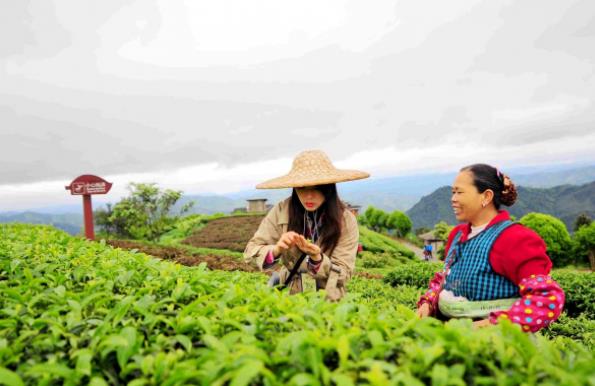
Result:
[[85, 186], [89, 184]]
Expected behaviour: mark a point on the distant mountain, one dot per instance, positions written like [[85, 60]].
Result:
[[432, 209], [210, 204], [402, 192], [391, 193], [384, 193], [70, 222], [565, 202], [548, 179]]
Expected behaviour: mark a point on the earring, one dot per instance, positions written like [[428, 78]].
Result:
[[483, 204]]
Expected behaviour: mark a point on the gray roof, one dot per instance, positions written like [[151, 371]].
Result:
[[429, 236]]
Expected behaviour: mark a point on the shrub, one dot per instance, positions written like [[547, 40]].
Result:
[[581, 328], [380, 259], [145, 214], [442, 230], [581, 220], [584, 245], [579, 288], [376, 291], [417, 274], [555, 235]]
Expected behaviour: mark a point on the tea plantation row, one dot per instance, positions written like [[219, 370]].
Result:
[[577, 321], [77, 312]]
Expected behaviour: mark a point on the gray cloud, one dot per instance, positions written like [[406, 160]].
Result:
[[70, 103], [148, 133]]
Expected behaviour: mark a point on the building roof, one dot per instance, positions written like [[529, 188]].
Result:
[[350, 205], [429, 236]]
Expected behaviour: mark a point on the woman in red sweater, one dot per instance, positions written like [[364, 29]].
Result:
[[494, 268]]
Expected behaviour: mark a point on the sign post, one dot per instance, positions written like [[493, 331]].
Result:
[[85, 186]]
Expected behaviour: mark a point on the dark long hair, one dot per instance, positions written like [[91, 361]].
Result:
[[488, 177], [331, 213]]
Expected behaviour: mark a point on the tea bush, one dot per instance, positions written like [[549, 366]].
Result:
[[579, 287], [377, 243], [416, 274], [79, 312], [581, 328]]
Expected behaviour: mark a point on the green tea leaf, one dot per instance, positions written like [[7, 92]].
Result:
[[83, 361], [185, 342], [10, 378], [245, 374]]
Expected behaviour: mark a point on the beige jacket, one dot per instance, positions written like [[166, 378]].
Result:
[[335, 270]]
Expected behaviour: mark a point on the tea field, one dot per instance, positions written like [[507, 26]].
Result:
[[79, 312], [229, 232]]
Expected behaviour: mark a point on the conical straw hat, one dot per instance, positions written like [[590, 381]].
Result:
[[310, 168]]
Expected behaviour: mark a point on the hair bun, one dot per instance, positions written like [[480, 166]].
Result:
[[509, 194]]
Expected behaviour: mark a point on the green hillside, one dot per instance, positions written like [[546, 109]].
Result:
[[565, 202]]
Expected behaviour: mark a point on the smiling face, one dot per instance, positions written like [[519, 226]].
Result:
[[466, 200], [310, 197]]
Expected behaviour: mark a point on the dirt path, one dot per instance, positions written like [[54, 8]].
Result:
[[225, 263], [415, 249], [180, 256]]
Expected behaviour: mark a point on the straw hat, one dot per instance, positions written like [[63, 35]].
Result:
[[311, 168]]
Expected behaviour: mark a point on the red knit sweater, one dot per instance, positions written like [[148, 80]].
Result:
[[519, 252]]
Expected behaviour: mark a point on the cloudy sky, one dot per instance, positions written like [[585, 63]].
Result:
[[215, 96]]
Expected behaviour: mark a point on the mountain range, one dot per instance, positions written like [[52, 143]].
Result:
[[396, 193], [69, 222], [392, 193], [565, 202]]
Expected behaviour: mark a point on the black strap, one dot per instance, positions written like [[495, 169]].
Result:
[[293, 271]]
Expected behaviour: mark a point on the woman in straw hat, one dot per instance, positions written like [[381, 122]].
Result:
[[311, 231]]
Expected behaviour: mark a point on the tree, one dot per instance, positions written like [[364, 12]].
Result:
[[381, 220], [369, 216], [442, 230], [392, 221], [361, 220], [101, 217], [584, 244], [399, 222], [405, 224], [373, 217], [554, 233], [145, 214], [581, 220]]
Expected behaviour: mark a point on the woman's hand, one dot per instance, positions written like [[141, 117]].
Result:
[[424, 310], [481, 323], [287, 240], [308, 248]]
